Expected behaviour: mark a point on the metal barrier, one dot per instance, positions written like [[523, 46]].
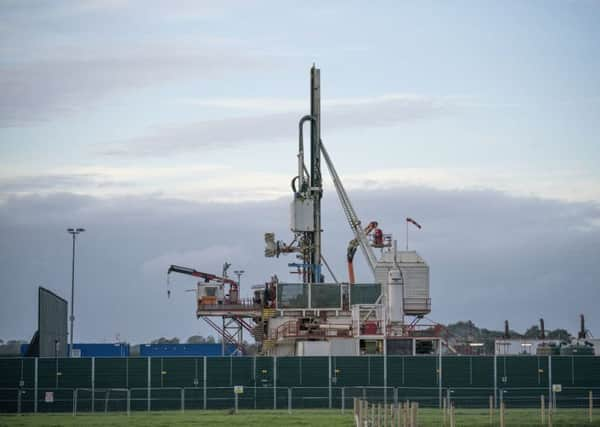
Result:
[[123, 400]]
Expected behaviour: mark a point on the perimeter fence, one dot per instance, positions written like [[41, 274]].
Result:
[[183, 383]]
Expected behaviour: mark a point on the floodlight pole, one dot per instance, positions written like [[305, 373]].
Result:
[[74, 232]]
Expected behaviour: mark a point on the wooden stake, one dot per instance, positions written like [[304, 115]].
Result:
[[372, 414], [385, 414], [591, 405], [543, 407], [501, 414]]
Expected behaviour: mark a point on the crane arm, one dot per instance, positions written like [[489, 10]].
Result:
[[353, 246], [206, 276], [351, 216]]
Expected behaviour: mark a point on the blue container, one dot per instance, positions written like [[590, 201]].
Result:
[[167, 350], [102, 350], [95, 350]]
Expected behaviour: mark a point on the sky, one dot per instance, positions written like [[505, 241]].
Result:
[[169, 131]]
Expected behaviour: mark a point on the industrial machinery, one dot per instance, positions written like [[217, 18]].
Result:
[[317, 316], [346, 318], [215, 300]]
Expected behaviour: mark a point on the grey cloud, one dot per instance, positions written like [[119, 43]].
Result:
[[38, 90], [492, 257], [57, 182], [230, 132]]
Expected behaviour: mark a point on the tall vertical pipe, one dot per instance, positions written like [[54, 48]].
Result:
[[581, 334], [316, 183]]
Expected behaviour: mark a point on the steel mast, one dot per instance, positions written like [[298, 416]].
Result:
[[316, 182]]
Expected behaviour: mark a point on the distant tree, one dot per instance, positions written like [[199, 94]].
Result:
[[163, 340], [533, 332], [196, 339], [559, 334], [210, 339]]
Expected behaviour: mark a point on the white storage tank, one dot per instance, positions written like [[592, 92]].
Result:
[[414, 299], [312, 348]]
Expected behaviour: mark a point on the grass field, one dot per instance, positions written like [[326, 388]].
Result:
[[329, 418]]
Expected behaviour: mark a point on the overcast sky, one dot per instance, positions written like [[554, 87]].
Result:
[[168, 130]]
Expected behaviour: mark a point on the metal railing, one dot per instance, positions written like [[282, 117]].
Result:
[[126, 400]]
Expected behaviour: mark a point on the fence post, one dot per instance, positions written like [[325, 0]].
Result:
[[149, 388], [501, 410], [591, 405], [93, 405], [343, 399], [329, 381], [236, 401], [542, 408], [275, 380], [491, 410], [128, 402], [396, 396], [19, 401], [444, 410], [495, 379], [550, 402], [74, 401], [204, 383], [35, 386], [289, 400], [182, 399]]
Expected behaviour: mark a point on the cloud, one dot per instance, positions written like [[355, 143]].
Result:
[[57, 183], [382, 111], [234, 185], [492, 256], [40, 89]]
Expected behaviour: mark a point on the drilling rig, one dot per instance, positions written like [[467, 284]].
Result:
[[317, 317]]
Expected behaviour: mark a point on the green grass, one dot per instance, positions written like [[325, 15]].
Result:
[[328, 418]]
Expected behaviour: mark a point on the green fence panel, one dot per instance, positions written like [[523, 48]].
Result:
[[421, 371], [289, 371], [242, 372], [110, 372], [587, 371], [315, 371], [48, 373], [351, 371], [456, 371], [137, 372], [521, 371], [563, 370], [15, 370], [179, 371], [75, 373], [264, 374], [219, 371]]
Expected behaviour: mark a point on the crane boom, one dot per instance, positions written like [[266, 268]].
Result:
[[350, 213], [206, 276]]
